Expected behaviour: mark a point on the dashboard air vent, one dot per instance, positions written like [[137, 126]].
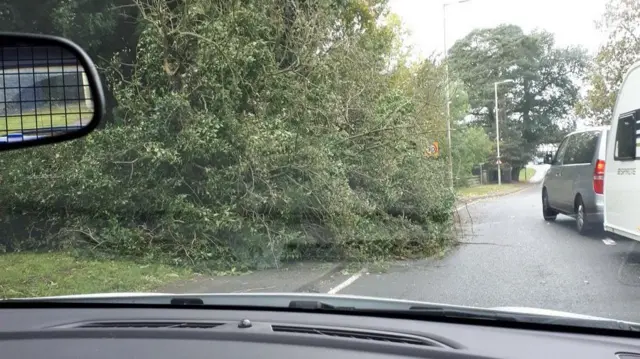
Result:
[[354, 334], [189, 325]]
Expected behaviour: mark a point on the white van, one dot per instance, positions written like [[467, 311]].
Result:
[[621, 177]]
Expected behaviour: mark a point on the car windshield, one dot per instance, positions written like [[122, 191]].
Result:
[[476, 153]]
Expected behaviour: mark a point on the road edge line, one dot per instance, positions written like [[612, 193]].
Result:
[[494, 196], [347, 282], [327, 274]]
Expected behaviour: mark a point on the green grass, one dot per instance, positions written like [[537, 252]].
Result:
[[44, 119], [486, 190], [526, 174], [47, 274]]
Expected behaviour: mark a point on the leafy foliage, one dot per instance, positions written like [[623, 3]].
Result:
[[249, 133], [621, 22], [472, 147]]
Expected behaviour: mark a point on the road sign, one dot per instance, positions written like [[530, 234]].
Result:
[[498, 162], [433, 150]]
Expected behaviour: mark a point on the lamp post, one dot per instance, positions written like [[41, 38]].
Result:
[[447, 101], [495, 88]]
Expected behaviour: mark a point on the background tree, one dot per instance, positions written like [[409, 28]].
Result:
[[621, 22], [470, 143], [471, 147], [544, 92]]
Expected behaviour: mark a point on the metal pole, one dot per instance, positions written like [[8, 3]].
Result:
[[497, 133], [446, 66]]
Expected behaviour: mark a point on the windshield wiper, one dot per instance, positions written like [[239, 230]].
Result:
[[330, 304], [426, 310], [472, 313], [298, 304], [187, 301], [464, 313], [315, 304]]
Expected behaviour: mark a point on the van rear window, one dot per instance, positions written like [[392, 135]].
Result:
[[625, 146], [582, 148]]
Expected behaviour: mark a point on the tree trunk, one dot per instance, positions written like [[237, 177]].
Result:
[[515, 173]]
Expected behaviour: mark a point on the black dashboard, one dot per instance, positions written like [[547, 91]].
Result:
[[64, 333]]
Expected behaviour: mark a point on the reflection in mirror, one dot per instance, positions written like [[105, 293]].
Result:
[[44, 91]]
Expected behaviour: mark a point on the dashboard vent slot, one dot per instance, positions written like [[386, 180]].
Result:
[[170, 325], [353, 334]]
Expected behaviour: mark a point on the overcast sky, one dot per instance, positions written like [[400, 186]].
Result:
[[572, 21]]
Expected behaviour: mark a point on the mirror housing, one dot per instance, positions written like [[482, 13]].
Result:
[[548, 158], [50, 91]]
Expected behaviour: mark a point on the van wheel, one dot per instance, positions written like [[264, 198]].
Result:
[[582, 225], [548, 213]]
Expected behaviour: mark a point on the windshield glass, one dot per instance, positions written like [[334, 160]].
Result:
[[402, 149]]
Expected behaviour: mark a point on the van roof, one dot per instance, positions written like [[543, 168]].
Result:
[[629, 70], [589, 129]]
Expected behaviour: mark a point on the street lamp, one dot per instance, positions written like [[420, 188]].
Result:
[[495, 88], [446, 64]]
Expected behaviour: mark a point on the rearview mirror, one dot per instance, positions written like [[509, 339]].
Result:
[[49, 91], [548, 158]]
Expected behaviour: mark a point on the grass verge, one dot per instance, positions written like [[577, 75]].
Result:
[[47, 274], [487, 190], [44, 119], [526, 174]]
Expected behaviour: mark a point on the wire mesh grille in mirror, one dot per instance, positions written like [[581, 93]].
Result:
[[44, 91]]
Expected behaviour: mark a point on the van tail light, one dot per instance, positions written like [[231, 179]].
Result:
[[598, 177]]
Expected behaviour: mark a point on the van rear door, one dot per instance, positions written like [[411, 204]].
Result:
[[577, 170], [621, 180]]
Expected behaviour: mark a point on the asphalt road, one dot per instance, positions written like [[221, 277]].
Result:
[[511, 257], [508, 256]]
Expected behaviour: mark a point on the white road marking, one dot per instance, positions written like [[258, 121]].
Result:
[[609, 242], [347, 282]]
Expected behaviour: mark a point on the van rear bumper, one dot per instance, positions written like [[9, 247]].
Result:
[[615, 232], [595, 217], [595, 209]]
